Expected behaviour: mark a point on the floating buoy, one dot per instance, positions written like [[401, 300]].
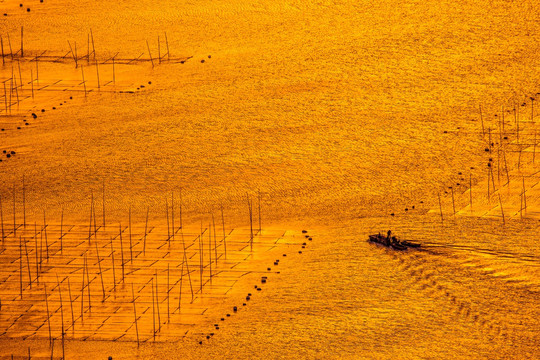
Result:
[[304, 231], [235, 309]]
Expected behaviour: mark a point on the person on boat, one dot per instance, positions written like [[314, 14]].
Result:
[[388, 237]]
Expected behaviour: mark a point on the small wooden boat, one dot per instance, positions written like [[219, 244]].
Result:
[[392, 242]]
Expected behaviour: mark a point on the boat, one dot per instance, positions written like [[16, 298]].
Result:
[[392, 242]]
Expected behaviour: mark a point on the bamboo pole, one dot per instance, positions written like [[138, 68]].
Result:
[[187, 267], [157, 303], [153, 310], [91, 213], [45, 232], [48, 316], [5, 98], [93, 47], [71, 305], [145, 230], [168, 297], [2, 45], [61, 231], [100, 272], [122, 253], [135, 314], [502, 211], [159, 49], [210, 250], [113, 267], [2, 220], [73, 55], [10, 49], [172, 217], [61, 316], [130, 242], [524, 193], [32, 81], [168, 225], [20, 268], [28, 264], [82, 289], [84, 82], [167, 43], [88, 285], [215, 241], [440, 207], [482, 120], [14, 214], [223, 228], [103, 201], [36, 252], [97, 71], [149, 53]]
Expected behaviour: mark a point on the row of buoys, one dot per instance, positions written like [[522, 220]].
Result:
[[264, 279]]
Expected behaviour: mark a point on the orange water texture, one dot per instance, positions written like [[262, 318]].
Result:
[[343, 117]]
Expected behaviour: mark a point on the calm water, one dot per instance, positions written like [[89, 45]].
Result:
[[336, 113]]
